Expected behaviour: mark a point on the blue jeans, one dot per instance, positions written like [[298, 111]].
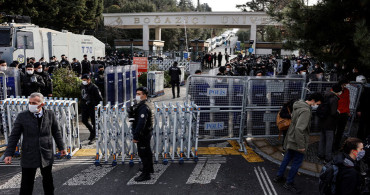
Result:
[[297, 158]]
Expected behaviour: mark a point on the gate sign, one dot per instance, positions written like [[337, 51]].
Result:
[[216, 91], [214, 126], [142, 64]]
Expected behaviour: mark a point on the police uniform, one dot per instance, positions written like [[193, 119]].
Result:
[[31, 83], [91, 97], [142, 132], [99, 81], [175, 73], [48, 88], [86, 67]]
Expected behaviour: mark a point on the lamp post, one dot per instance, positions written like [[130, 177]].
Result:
[[132, 48]]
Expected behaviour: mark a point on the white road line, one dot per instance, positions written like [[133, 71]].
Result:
[[203, 173], [259, 180], [159, 169], [89, 176], [264, 180], [268, 179]]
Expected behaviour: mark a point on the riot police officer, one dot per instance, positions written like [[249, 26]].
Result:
[[31, 82], [76, 67], [99, 78], [46, 91], [175, 73], [142, 131], [86, 65], [64, 63], [91, 97]]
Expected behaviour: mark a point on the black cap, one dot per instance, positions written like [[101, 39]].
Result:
[[101, 66], [143, 89], [85, 76]]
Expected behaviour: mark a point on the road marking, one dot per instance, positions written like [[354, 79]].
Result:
[[89, 176], [251, 156], [264, 180], [158, 171], [203, 173]]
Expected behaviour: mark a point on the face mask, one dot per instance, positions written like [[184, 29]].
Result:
[[227, 69], [346, 86], [39, 70], [33, 108], [353, 71], [359, 155], [303, 73], [85, 82], [319, 76], [29, 71], [3, 68], [314, 107], [138, 98]]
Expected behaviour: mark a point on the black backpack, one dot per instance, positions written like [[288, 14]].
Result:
[[323, 110], [327, 179]]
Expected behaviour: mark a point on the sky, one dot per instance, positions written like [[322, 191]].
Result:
[[228, 5]]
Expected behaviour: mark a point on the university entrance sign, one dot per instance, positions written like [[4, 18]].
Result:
[[159, 20]]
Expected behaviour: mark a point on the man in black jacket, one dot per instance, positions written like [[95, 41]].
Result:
[[86, 66], [175, 73], [38, 127], [99, 79], [142, 132], [91, 97], [328, 122], [76, 67], [31, 82], [219, 58], [48, 89]]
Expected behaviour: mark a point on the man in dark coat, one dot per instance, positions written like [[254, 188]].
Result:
[[142, 128], [86, 66], [328, 123], [219, 58], [38, 127], [175, 73], [48, 89], [31, 82], [91, 97]]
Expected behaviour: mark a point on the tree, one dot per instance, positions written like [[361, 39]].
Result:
[[331, 30]]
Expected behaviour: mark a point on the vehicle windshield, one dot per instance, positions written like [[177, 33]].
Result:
[[5, 40]]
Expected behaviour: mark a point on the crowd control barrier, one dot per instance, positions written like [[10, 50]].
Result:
[[155, 83], [174, 136], [120, 83], [66, 112], [10, 83]]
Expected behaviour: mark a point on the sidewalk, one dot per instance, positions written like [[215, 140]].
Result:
[[271, 149]]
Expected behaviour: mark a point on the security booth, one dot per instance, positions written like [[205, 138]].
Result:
[[155, 46]]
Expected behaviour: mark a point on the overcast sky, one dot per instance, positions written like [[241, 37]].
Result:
[[228, 5]]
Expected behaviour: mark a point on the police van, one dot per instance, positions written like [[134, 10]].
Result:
[[21, 40]]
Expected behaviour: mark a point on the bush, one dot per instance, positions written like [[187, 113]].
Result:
[[167, 79], [143, 79], [66, 84]]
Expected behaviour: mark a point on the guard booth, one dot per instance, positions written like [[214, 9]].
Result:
[[120, 83]]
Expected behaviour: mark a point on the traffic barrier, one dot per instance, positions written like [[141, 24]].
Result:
[[163, 65], [174, 136], [66, 112], [120, 83], [155, 83], [10, 83]]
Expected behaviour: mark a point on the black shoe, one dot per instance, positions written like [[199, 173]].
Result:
[[279, 179], [141, 170], [178, 96], [292, 188], [91, 141], [142, 177], [173, 97]]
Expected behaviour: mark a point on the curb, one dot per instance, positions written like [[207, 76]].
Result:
[[258, 151]]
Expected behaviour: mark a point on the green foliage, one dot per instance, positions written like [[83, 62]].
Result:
[[167, 79], [143, 79], [333, 31], [66, 84], [243, 35]]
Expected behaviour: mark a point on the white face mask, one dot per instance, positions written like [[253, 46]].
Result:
[[39, 70], [33, 108], [138, 98], [314, 107], [346, 86], [84, 83], [29, 71], [227, 69], [3, 68], [303, 73]]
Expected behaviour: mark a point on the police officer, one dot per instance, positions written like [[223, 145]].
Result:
[[99, 79], [91, 97], [86, 65], [76, 67], [64, 63], [46, 91], [142, 132], [31, 82], [53, 65], [175, 73]]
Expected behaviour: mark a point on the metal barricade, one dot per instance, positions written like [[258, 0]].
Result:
[[175, 133], [66, 112], [155, 83]]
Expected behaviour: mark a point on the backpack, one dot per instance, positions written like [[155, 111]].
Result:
[[282, 123], [323, 110], [327, 179]]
